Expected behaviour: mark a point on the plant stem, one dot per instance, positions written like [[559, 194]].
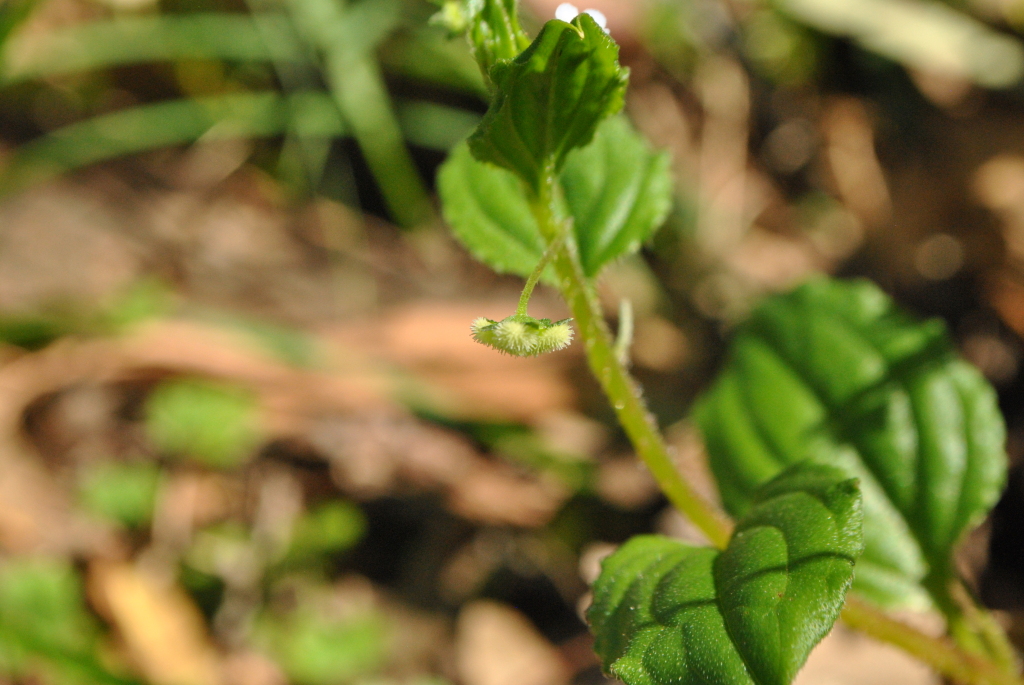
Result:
[[619, 386], [941, 653], [968, 624]]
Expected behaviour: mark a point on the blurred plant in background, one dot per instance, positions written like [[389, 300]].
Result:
[[244, 437]]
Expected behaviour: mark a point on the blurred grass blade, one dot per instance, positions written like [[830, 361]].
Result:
[[105, 44], [169, 123], [426, 54], [309, 115], [302, 160], [12, 13], [346, 38], [434, 126], [920, 34]]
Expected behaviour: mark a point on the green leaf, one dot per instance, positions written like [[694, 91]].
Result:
[[346, 36], [175, 122], [836, 373], [616, 188], [618, 192], [667, 612], [494, 32], [550, 99]]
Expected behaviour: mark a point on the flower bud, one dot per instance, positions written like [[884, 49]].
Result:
[[523, 336]]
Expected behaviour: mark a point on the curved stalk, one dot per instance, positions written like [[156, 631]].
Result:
[[538, 271], [618, 385]]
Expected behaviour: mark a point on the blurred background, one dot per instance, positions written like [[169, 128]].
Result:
[[245, 437]]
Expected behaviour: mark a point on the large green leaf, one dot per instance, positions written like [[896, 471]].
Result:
[[667, 612], [550, 99], [616, 189], [835, 372]]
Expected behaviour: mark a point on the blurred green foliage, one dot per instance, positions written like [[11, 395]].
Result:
[[123, 492], [290, 345], [37, 328], [316, 646], [45, 630], [332, 527], [212, 423]]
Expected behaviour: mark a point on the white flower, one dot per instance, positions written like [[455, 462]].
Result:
[[567, 12]]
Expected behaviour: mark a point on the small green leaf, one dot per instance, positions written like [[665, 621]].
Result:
[[332, 527], [320, 639], [122, 492], [835, 372], [550, 99], [666, 612], [492, 27], [213, 423], [488, 212], [617, 189]]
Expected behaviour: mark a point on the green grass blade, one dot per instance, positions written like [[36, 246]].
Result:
[[238, 115], [426, 54], [346, 39], [119, 42], [308, 115], [434, 126]]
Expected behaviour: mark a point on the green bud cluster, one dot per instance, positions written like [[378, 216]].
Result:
[[523, 336]]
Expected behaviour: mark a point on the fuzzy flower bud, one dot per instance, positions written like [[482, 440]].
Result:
[[523, 336]]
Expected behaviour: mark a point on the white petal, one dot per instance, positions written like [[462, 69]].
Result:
[[599, 17], [566, 12]]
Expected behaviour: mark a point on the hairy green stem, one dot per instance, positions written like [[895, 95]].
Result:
[[941, 653], [618, 385]]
